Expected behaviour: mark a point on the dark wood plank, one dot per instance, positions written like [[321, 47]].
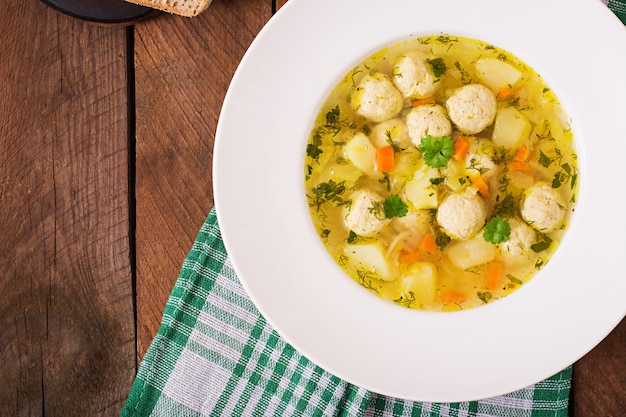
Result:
[[66, 309], [183, 68], [599, 381]]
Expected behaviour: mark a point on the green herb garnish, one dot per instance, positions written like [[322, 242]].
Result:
[[442, 241], [514, 279], [406, 300], [386, 180], [395, 207], [366, 278], [545, 160], [313, 150], [543, 245], [466, 78], [328, 192], [485, 296], [334, 124], [352, 237], [390, 141], [437, 150], [332, 117], [566, 174], [497, 230], [506, 206], [438, 66]]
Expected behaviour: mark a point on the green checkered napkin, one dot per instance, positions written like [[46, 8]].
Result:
[[618, 7], [215, 355]]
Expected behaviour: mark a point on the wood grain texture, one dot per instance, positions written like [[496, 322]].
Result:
[[183, 68], [280, 3], [599, 381], [66, 307]]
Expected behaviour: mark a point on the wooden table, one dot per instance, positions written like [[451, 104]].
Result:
[[106, 141]]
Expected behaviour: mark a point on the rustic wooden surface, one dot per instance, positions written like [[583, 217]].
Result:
[[106, 142], [66, 305], [178, 100]]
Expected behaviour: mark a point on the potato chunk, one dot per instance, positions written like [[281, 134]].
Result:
[[469, 253], [420, 279], [362, 154], [369, 257], [420, 191], [497, 74], [511, 128]]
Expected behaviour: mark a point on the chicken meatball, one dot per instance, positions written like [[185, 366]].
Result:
[[365, 216], [376, 98], [412, 76], [393, 130], [472, 108], [520, 240], [428, 119], [461, 215], [543, 208]]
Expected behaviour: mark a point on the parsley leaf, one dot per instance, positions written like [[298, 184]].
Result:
[[497, 230], [545, 160], [313, 148], [437, 150], [332, 117], [313, 151], [438, 66], [395, 207]]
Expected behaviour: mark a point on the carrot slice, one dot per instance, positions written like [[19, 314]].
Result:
[[428, 243], [522, 154], [493, 275], [518, 166], [505, 93], [385, 160], [452, 296], [520, 160], [421, 101], [479, 182], [461, 146], [408, 257]]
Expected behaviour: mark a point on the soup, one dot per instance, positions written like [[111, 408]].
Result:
[[441, 173]]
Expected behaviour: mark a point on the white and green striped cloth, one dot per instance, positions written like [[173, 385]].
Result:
[[215, 355]]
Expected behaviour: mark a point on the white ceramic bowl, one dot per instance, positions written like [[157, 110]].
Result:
[[561, 314]]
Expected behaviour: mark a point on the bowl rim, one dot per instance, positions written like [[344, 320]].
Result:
[[266, 226]]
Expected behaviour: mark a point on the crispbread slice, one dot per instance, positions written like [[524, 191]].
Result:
[[187, 8]]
